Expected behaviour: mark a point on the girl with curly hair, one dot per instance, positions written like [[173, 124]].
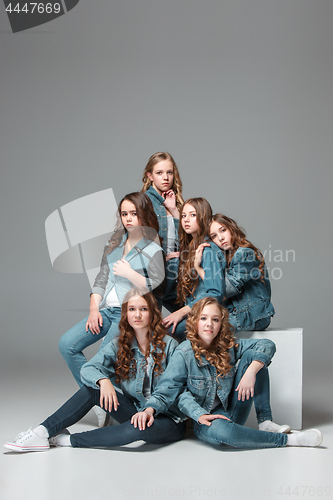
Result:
[[132, 257], [162, 184], [135, 360], [203, 378], [196, 215], [247, 285]]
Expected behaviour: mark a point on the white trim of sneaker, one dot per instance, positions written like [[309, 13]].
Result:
[[28, 441]]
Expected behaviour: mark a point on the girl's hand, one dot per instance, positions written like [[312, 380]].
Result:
[[173, 319], [142, 418], [122, 268], [170, 203], [172, 255], [198, 256], [207, 419], [94, 321], [245, 387], [108, 395]]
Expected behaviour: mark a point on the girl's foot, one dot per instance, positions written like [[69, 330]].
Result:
[[102, 416], [61, 439], [28, 441], [269, 426], [310, 437]]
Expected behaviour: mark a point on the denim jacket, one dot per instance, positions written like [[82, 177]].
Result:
[[103, 363], [160, 211], [193, 384], [213, 263], [146, 258], [248, 298]]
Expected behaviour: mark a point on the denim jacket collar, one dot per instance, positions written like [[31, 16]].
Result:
[[152, 191]]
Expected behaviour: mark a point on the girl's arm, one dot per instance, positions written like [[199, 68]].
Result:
[[108, 396], [198, 259], [95, 319], [155, 272], [264, 349], [176, 317], [245, 387], [101, 366], [243, 267], [123, 268], [170, 203]]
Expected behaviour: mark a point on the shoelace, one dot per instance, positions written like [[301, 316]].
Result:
[[23, 434]]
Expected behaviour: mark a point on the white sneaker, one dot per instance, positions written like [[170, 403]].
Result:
[[28, 441], [102, 416], [60, 439], [310, 437], [269, 426]]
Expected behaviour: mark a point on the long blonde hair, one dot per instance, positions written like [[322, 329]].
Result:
[[217, 353], [177, 183]]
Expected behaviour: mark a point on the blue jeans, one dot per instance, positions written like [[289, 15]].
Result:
[[259, 325], [163, 430], [231, 432], [76, 339]]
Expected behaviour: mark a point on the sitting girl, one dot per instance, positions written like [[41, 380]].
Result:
[[210, 389], [247, 286], [131, 259], [196, 216], [162, 184], [136, 359]]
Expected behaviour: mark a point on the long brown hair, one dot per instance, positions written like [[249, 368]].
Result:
[[238, 239], [188, 278], [217, 352], [125, 367], [146, 215], [177, 183]]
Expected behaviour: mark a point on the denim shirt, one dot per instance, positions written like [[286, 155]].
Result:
[[161, 213], [193, 383], [248, 298], [146, 258], [213, 263], [102, 365]]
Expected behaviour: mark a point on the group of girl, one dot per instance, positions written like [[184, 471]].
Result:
[[213, 281]]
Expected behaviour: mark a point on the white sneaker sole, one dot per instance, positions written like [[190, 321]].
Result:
[[285, 429], [22, 449]]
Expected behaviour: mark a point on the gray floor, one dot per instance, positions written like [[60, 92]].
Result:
[[187, 469]]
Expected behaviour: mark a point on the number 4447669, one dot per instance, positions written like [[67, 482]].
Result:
[[40, 7]]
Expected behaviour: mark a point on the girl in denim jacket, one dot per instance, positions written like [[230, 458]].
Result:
[[131, 259], [247, 286], [203, 379], [162, 184], [135, 360], [196, 215]]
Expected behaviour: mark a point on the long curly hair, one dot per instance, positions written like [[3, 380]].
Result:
[[238, 239], [188, 278], [177, 185], [146, 215], [217, 354], [125, 367]]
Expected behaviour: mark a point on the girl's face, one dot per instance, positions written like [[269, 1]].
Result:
[[128, 216], [209, 323], [162, 176], [138, 315], [221, 235], [189, 219]]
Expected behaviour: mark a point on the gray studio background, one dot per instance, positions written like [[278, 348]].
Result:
[[238, 91]]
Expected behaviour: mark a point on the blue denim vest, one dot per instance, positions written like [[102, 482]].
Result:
[[192, 383], [146, 258], [213, 263], [248, 298], [160, 211], [103, 363]]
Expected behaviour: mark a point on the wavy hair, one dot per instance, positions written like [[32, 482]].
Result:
[[238, 239], [146, 215], [217, 354], [177, 183], [188, 278], [125, 367]]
